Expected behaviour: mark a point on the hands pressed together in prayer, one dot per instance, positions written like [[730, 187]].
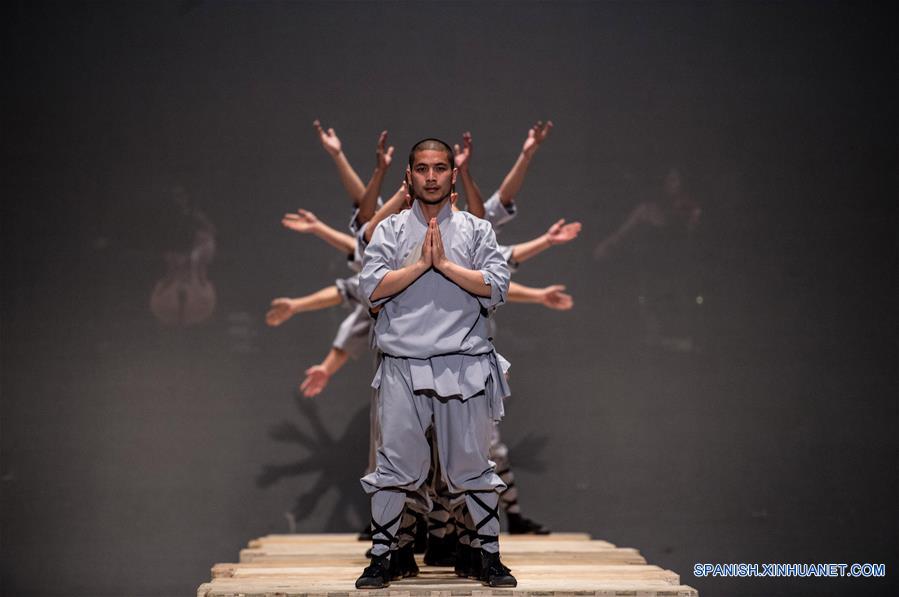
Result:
[[432, 252]]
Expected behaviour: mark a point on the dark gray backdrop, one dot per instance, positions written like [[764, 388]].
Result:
[[132, 453]]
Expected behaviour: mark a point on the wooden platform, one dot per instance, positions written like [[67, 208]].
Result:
[[327, 565]]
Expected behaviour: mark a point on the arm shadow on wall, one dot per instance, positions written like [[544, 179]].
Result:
[[336, 463], [525, 455]]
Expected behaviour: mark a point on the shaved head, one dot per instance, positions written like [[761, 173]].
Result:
[[433, 144]]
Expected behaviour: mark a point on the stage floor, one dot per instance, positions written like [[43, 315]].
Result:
[[328, 565]]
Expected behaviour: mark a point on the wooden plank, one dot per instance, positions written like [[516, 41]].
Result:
[[574, 571], [522, 573], [347, 538], [352, 548], [225, 570], [620, 555], [429, 587], [546, 566], [359, 559]]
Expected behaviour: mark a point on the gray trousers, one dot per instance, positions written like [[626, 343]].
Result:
[[461, 428], [499, 453], [445, 519]]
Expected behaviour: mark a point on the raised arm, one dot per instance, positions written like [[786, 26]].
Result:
[[557, 234], [395, 204], [305, 222], [473, 198], [348, 177], [515, 178], [368, 204], [552, 297], [318, 376]]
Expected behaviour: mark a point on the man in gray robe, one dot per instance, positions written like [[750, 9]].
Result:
[[434, 275]]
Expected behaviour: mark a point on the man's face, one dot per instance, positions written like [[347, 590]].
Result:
[[432, 175]]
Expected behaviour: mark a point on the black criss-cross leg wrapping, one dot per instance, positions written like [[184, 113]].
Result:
[[383, 530], [492, 514]]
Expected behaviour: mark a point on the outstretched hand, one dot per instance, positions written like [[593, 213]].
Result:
[[536, 135], [463, 154], [328, 138], [560, 232], [385, 156], [280, 311], [554, 297], [316, 379], [303, 221]]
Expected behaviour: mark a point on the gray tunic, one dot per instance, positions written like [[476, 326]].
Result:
[[441, 329], [353, 334], [354, 224]]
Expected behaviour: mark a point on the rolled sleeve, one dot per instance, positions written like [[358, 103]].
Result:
[[506, 251], [353, 334], [493, 267], [354, 222], [355, 225], [354, 260], [342, 291], [377, 261], [348, 288], [498, 214]]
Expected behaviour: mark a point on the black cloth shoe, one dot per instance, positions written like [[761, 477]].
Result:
[[441, 550], [421, 533], [493, 573], [463, 560], [475, 566], [403, 563], [519, 525], [376, 575]]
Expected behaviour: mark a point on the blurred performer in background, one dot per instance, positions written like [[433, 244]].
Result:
[[661, 234], [185, 295]]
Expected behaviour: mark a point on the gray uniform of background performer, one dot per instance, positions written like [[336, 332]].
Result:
[[354, 337], [441, 522], [438, 369], [499, 215], [353, 334]]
